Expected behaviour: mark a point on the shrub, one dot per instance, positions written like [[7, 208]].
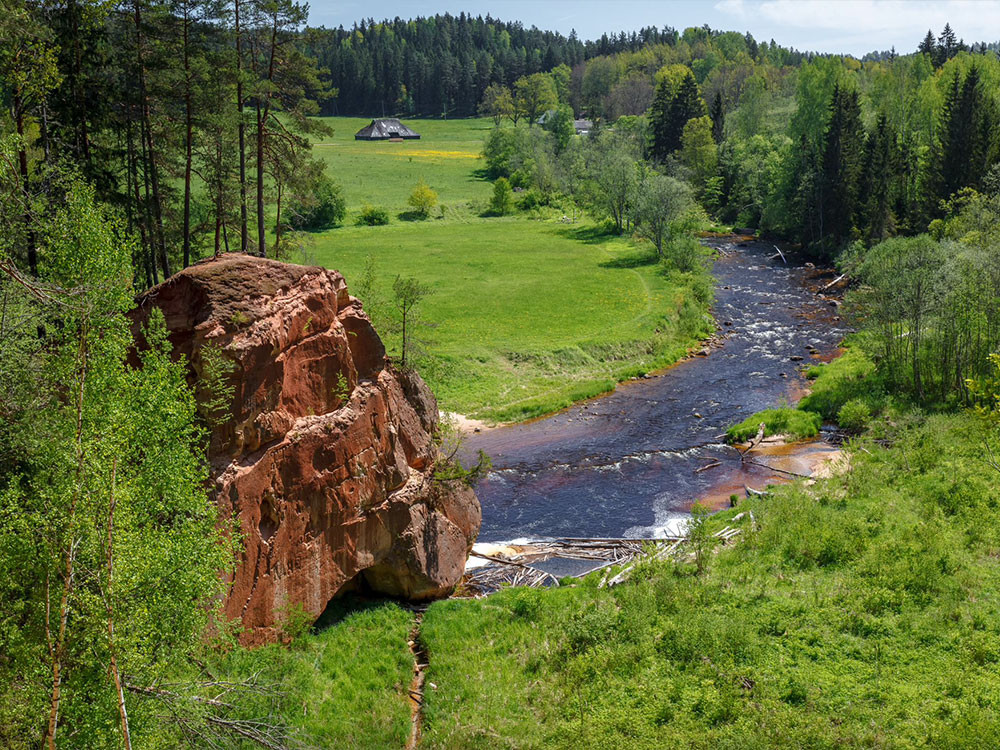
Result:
[[325, 208], [422, 199], [500, 149], [683, 251], [373, 216], [503, 197], [594, 625], [533, 199], [525, 603], [854, 415]]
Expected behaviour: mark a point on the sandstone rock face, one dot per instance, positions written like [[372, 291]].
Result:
[[326, 460]]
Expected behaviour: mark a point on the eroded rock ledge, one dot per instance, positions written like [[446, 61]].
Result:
[[326, 459]]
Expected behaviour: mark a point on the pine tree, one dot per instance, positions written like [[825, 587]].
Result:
[[947, 46], [967, 124], [840, 168], [874, 208], [718, 117], [671, 112], [659, 125], [928, 46]]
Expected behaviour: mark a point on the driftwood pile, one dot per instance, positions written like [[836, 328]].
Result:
[[517, 569]]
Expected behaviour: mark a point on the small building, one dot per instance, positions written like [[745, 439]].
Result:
[[581, 127], [386, 129]]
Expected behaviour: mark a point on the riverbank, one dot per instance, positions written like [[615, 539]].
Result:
[[852, 611]]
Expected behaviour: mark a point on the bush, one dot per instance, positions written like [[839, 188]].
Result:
[[854, 415], [500, 149], [373, 216], [422, 199], [525, 603], [684, 252], [533, 199], [325, 208], [792, 422]]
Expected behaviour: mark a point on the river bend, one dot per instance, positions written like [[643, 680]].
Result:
[[626, 464]]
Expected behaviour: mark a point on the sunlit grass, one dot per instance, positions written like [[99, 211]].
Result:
[[527, 317], [382, 174]]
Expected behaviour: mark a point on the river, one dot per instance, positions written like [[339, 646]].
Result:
[[626, 464]]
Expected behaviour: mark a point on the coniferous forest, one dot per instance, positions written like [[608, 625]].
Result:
[[555, 236]]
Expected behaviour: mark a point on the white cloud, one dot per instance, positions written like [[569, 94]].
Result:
[[736, 8], [862, 25], [875, 15]]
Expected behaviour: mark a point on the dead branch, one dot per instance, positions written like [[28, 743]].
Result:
[[834, 282]]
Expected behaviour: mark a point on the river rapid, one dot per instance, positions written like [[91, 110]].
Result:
[[627, 464]]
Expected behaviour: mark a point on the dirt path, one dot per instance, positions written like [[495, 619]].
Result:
[[416, 693]]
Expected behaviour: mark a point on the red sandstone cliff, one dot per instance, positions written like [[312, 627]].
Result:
[[330, 485]]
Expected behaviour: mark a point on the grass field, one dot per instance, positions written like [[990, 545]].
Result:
[[529, 314], [383, 174]]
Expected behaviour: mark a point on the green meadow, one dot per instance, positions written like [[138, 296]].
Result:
[[525, 314], [383, 174]]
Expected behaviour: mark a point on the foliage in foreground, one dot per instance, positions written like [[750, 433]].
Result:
[[858, 611], [109, 553]]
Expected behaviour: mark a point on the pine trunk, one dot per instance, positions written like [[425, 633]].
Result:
[[188, 137], [244, 239]]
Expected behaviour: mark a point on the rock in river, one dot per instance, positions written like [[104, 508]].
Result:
[[325, 458]]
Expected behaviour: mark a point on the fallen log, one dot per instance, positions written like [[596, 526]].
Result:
[[835, 281]]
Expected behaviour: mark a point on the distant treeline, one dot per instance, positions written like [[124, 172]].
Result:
[[442, 65]]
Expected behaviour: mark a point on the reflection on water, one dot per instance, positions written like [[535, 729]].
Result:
[[625, 464]]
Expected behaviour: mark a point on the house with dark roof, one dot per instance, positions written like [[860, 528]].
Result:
[[386, 129]]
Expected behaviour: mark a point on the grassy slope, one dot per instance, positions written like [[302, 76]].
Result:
[[864, 613], [345, 686], [530, 314]]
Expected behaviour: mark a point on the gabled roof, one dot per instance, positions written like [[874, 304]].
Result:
[[384, 129]]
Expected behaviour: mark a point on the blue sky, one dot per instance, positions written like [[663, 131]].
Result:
[[849, 26]]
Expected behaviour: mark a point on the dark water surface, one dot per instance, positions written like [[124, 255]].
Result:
[[625, 464]]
